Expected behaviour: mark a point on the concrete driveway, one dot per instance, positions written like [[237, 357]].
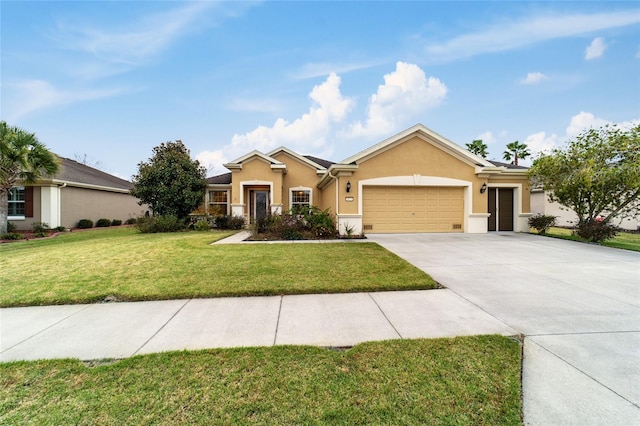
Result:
[[578, 306]]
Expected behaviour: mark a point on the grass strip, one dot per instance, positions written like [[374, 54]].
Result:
[[86, 267], [464, 380], [624, 240]]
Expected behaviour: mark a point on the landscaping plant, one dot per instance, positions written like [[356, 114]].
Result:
[[542, 222], [597, 175]]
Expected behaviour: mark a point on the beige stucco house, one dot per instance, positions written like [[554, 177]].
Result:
[[414, 181], [76, 192]]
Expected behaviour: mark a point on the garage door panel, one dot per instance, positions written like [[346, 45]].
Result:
[[413, 209]]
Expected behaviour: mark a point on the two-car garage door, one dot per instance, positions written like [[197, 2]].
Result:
[[412, 209]]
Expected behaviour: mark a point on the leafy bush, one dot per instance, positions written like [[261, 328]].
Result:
[[103, 223], [299, 223], [40, 229], [542, 222], [229, 222], [60, 228], [116, 222], [85, 224], [155, 224], [596, 230], [12, 236], [11, 227], [131, 221], [202, 225]]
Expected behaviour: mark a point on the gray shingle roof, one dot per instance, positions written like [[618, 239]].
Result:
[[223, 179], [507, 165], [324, 163], [73, 172]]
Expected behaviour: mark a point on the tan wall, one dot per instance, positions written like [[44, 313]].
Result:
[[412, 157], [298, 174], [81, 203], [256, 170]]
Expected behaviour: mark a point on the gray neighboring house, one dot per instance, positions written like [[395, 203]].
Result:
[[76, 192]]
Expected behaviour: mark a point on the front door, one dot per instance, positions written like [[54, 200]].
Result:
[[259, 204], [500, 209]]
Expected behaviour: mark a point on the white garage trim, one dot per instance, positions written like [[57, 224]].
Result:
[[473, 223]]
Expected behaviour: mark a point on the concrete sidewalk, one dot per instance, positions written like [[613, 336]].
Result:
[[119, 330]]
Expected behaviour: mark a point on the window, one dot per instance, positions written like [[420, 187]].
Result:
[[300, 198], [218, 201], [16, 202]]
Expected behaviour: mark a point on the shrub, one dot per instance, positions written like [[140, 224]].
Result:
[[202, 225], [11, 227], [542, 222], [103, 223], [40, 229], [131, 221], [85, 223], [60, 228], [164, 223], [236, 222], [116, 222], [596, 230], [12, 236], [229, 222]]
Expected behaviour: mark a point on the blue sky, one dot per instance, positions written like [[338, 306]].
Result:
[[110, 80]]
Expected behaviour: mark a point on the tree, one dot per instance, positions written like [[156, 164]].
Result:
[[478, 147], [516, 150], [170, 183], [597, 176], [22, 158]]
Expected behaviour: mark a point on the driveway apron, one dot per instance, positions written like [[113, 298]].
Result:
[[577, 305]]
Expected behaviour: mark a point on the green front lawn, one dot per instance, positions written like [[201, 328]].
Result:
[[85, 267], [624, 240], [466, 380]]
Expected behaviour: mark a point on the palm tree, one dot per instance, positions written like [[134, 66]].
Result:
[[478, 147], [516, 150], [22, 158]]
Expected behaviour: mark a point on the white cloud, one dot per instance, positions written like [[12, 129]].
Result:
[[518, 33], [310, 132], [406, 92], [321, 69], [533, 78], [487, 137], [595, 49], [582, 121], [213, 161], [140, 39], [541, 142], [29, 96]]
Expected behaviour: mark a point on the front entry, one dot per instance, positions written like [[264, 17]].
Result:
[[500, 209], [259, 204]]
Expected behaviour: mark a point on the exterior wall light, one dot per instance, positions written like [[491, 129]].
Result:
[[483, 188], [348, 186]]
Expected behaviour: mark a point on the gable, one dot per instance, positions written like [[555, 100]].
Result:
[[414, 155], [427, 135]]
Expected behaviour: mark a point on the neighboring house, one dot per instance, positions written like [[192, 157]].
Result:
[[567, 218], [76, 192], [415, 181]]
